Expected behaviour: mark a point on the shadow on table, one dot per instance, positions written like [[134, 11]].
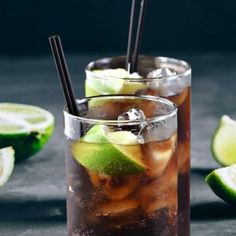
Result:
[[45, 210], [212, 210], [201, 171]]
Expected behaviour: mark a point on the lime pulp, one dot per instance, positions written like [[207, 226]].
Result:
[[26, 128], [97, 152], [223, 144], [6, 164], [112, 81]]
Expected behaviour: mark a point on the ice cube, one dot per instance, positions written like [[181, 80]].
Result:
[[166, 87], [168, 201], [158, 154], [158, 131], [119, 207], [132, 115], [114, 188], [120, 188], [172, 85], [161, 72]]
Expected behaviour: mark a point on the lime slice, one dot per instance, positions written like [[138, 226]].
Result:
[[89, 90], [25, 128], [223, 183], [223, 144], [131, 87], [122, 138], [112, 81], [104, 81], [97, 152], [6, 164]]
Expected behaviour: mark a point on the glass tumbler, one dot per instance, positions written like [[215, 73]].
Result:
[[121, 166]]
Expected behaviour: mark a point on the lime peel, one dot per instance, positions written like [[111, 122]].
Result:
[[222, 181]]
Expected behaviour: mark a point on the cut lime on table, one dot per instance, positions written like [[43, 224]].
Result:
[[223, 183], [223, 143], [6, 164], [112, 153], [26, 128], [112, 81]]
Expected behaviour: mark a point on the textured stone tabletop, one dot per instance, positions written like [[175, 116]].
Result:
[[32, 203]]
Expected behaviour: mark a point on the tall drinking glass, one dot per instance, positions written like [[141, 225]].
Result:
[[121, 166], [158, 76]]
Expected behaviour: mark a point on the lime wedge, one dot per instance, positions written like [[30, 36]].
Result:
[[115, 73], [223, 183], [122, 138], [131, 87], [26, 128], [6, 164], [104, 81], [97, 152], [89, 90], [112, 81], [223, 144]]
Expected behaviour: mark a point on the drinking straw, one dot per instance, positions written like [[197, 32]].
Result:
[[63, 73], [139, 33], [132, 57], [130, 37]]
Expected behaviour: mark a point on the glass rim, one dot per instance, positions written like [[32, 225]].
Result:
[[157, 118], [187, 72]]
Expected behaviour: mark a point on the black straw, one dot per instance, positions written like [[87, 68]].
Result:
[[139, 33], [134, 47], [63, 73], [130, 37]]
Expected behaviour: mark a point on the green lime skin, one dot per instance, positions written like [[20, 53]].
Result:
[[26, 144], [96, 153], [221, 189], [105, 158]]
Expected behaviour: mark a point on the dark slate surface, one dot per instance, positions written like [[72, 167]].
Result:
[[33, 201]]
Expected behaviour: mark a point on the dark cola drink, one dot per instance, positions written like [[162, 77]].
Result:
[[122, 172], [157, 76]]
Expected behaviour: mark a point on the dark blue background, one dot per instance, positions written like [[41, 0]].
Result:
[[102, 25]]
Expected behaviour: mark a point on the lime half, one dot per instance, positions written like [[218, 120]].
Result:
[[6, 164], [223, 143], [223, 183], [112, 153], [26, 128]]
